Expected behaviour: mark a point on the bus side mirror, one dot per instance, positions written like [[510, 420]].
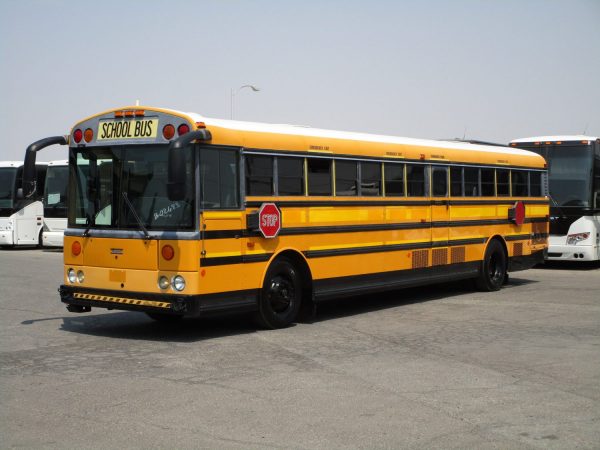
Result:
[[20, 195], [176, 183], [29, 172]]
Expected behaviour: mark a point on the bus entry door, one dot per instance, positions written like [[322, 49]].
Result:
[[221, 249]]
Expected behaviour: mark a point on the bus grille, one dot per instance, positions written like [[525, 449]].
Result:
[[439, 257], [518, 249], [420, 259], [457, 255]]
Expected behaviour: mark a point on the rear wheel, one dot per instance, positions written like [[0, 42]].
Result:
[[280, 296], [493, 268]]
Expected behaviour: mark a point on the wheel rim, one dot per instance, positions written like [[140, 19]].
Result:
[[496, 268], [281, 294]]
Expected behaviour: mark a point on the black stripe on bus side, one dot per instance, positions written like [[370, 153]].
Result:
[[390, 248], [292, 231], [331, 288], [241, 259], [305, 204]]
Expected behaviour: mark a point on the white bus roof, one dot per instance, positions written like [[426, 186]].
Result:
[[11, 163], [562, 138], [61, 162], [303, 130]]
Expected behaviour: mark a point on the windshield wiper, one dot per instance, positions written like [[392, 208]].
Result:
[[89, 224], [135, 214]]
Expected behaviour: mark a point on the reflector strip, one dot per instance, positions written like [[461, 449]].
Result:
[[128, 301]]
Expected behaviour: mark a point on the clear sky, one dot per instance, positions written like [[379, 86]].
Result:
[[490, 70]]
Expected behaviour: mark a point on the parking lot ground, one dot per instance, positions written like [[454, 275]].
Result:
[[435, 367]]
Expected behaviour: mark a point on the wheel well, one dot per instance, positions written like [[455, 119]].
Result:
[[300, 263], [502, 242]]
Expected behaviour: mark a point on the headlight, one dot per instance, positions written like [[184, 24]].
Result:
[[573, 239], [71, 276], [80, 276], [178, 283], [163, 282], [9, 225]]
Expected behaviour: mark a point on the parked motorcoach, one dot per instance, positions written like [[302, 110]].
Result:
[[574, 185], [21, 220]]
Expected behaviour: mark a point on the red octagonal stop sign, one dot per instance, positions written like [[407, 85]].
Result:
[[269, 220]]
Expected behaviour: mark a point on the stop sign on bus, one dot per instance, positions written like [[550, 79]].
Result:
[[269, 220]]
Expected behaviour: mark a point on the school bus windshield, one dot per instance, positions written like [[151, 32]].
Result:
[[104, 176]]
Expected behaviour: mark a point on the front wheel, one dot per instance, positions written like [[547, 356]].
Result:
[[280, 296], [493, 268]]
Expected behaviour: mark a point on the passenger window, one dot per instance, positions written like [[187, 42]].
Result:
[[502, 183], [535, 184], [219, 179], [439, 181], [259, 175], [370, 175], [471, 182], [290, 176], [487, 183], [456, 185], [346, 176], [319, 176], [519, 183], [394, 179], [415, 178]]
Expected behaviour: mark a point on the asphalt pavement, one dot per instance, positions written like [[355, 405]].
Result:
[[434, 367]]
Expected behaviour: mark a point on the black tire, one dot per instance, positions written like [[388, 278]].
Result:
[[41, 239], [165, 318], [280, 296], [493, 268]]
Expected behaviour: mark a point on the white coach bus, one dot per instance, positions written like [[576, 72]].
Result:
[[21, 220], [574, 184]]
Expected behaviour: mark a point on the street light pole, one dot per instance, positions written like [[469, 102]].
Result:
[[234, 93]]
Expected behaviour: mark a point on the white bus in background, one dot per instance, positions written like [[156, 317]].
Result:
[[21, 220], [55, 203], [574, 185]]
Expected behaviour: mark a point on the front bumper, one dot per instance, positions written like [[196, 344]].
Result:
[[182, 305], [6, 237], [53, 238], [573, 253]]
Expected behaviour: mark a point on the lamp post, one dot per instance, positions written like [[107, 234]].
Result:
[[234, 93]]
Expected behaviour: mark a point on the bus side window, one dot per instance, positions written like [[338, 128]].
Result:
[[456, 182], [415, 180], [502, 182], [487, 183], [290, 176], [370, 179], [346, 176], [319, 176], [259, 175], [471, 182], [219, 179], [394, 180], [439, 181], [519, 183], [535, 184]]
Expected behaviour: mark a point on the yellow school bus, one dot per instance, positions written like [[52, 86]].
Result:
[[175, 214]]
